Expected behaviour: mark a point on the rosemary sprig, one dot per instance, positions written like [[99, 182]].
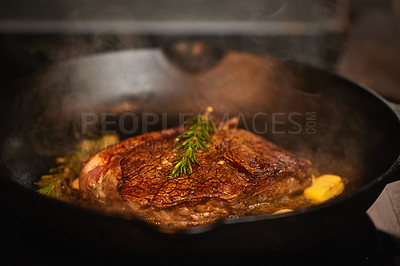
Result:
[[50, 185], [57, 181], [191, 141]]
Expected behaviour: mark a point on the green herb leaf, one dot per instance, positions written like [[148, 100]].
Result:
[[57, 182], [191, 141]]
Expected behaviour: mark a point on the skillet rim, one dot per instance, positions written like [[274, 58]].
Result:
[[383, 179]]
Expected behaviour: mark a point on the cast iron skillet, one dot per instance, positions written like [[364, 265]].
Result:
[[341, 127]]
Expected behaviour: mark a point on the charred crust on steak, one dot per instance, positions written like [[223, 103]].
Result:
[[240, 169]]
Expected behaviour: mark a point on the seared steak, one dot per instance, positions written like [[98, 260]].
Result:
[[240, 170]]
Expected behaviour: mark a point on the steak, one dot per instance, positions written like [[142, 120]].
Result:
[[240, 170]]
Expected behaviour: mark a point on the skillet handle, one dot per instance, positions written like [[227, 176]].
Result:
[[395, 169]]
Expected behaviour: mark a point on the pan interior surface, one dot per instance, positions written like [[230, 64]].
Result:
[[342, 128]]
